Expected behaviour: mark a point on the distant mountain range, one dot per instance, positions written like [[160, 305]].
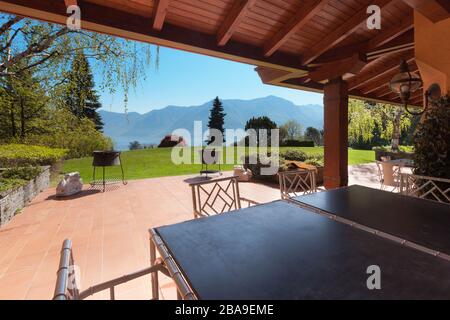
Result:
[[150, 128]]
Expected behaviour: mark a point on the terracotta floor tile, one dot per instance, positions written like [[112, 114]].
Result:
[[109, 233]]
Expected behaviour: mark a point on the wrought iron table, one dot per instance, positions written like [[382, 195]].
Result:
[[281, 250]]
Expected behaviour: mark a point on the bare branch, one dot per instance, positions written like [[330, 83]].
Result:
[[33, 48], [8, 24]]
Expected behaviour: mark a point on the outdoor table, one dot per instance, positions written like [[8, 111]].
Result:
[[422, 222], [280, 250], [404, 162]]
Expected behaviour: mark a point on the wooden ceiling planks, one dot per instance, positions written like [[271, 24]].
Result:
[[287, 35]]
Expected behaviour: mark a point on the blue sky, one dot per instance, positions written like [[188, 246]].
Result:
[[186, 79]]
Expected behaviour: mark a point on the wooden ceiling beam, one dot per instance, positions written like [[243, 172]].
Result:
[[160, 12], [297, 21], [341, 33], [273, 76], [385, 36], [374, 48], [233, 19], [388, 69], [332, 70], [434, 10], [383, 82], [115, 22], [69, 3]]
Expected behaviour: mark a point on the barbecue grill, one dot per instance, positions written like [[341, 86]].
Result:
[[105, 159]]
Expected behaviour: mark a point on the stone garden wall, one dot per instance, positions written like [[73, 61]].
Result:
[[13, 201]]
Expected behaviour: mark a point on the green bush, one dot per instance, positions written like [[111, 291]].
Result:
[[432, 142], [297, 143], [79, 137], [16, 155], [10, 184], [13, 178], [294, 155], [409, 149], [315, 160], [24, 173]]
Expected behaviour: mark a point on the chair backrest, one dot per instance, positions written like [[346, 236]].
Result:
[[431, 188], [215, 196], [298, 182], [66, 285], [391, 173]]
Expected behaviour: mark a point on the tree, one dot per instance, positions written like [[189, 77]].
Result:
[[48, 49], [294, 130], [80, 95], [374, 124], [314, 135], [134, 145], [432, 142], [22, 103], [261, 123], [216, 121]]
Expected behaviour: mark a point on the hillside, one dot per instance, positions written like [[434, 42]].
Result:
[[152, 126]]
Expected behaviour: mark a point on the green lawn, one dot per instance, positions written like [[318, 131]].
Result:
[[152, 163]]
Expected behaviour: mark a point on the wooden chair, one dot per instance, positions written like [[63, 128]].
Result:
[[217, 196], [298, 182], [431, 188], [67, 285]]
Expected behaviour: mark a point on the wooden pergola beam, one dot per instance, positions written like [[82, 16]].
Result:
[[296, 22], [160, 12], [383, 82], [341, 33], [70, 3], [332, 70], [386, 36], [434, 10], [388, 69], [233, 19], [112, 21]]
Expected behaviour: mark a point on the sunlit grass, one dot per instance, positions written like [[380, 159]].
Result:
[[152, 163]]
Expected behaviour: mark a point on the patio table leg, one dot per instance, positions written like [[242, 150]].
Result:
[[155, 280]]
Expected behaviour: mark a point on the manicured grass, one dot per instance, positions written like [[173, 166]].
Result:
[[152, 163]]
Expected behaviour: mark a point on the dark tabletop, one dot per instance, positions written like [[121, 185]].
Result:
[[281, 251], [421, 221]]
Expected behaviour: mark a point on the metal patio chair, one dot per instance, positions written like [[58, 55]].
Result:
[[298, 182], [389, 174], [217, 196], [431, 188], [67, 287]]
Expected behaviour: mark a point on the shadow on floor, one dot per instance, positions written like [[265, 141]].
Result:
[[82, 194]]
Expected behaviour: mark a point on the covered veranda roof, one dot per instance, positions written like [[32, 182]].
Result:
[[296, 44]]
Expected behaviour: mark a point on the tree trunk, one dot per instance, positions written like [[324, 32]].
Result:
[[396, 132], [22, 119], [13, 122]]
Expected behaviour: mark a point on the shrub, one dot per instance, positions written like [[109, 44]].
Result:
[[256, 162], [78, 136], [24, 173], [409, 149], [14, 155], [294, 155], [16, 177], [297, 143], [315, 160], [432, 142], [10, 184]]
